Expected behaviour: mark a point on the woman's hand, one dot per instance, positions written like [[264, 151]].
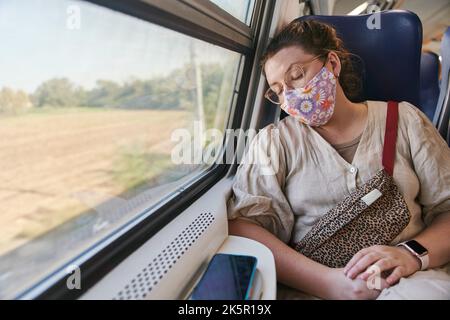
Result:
[[341, 287], [385, 258]]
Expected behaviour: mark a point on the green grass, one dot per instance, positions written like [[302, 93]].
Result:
[[135, 167]]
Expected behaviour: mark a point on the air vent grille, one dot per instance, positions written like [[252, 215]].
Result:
[[144, 282]]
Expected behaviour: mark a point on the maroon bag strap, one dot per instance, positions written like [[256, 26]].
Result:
[[390, 137]]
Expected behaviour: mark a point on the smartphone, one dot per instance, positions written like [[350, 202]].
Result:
[[227, 277]]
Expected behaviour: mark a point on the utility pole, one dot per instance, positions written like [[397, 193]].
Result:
[[198, 89]]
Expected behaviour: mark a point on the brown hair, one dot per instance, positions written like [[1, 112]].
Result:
[[317, 38]]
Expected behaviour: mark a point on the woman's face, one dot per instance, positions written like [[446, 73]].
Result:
[[277, 66]]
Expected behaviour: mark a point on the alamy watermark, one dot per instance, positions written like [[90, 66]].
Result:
[[74, 279], [214, 146], [73, 21], [374, 280], [374, 20]]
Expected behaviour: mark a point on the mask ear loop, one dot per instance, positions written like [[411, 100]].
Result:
[[283, 105]]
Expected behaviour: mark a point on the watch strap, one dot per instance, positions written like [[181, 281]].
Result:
[[424, 259]]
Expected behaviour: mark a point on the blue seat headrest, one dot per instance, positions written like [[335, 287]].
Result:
[[429, 83], [442, 114], [390, 55]]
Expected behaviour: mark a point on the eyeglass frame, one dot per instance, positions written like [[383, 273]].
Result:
[[266, 94]]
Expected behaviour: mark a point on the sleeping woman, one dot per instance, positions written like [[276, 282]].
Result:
[[327, 147]]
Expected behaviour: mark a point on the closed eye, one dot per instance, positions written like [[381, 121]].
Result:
[[296, 74]]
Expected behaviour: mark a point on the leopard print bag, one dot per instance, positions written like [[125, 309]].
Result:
[[374, 214]]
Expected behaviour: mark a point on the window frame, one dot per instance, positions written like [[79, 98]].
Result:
[[200, 19], [203, 20]]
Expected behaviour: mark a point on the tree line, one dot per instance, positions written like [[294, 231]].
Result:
[[176, 90]]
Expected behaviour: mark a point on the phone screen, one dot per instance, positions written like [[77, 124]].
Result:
[[227, 277]]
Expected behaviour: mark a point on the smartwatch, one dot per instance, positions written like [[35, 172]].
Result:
[[418, 251]]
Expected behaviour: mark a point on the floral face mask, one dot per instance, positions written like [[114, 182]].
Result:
[[314, 103]]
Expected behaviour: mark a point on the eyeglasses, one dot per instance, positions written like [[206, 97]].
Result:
[[293, 78]]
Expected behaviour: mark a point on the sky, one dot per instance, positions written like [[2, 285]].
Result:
[[39, 42], [241, 9]]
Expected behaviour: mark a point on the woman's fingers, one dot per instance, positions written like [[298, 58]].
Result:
[[380, 266], [363, 263], [395, 276], [384, 284], [355, 259]]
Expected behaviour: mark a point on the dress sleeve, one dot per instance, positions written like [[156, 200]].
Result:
[[431, 159], [257, 193]]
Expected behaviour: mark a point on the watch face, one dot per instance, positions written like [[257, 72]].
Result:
[[417, 247]]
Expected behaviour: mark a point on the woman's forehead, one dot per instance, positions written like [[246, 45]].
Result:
[[277, 65]]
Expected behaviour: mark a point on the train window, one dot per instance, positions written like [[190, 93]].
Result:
[[89, 100], [239, 9]]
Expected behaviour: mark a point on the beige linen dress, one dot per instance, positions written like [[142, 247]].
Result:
[[291, 176]]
